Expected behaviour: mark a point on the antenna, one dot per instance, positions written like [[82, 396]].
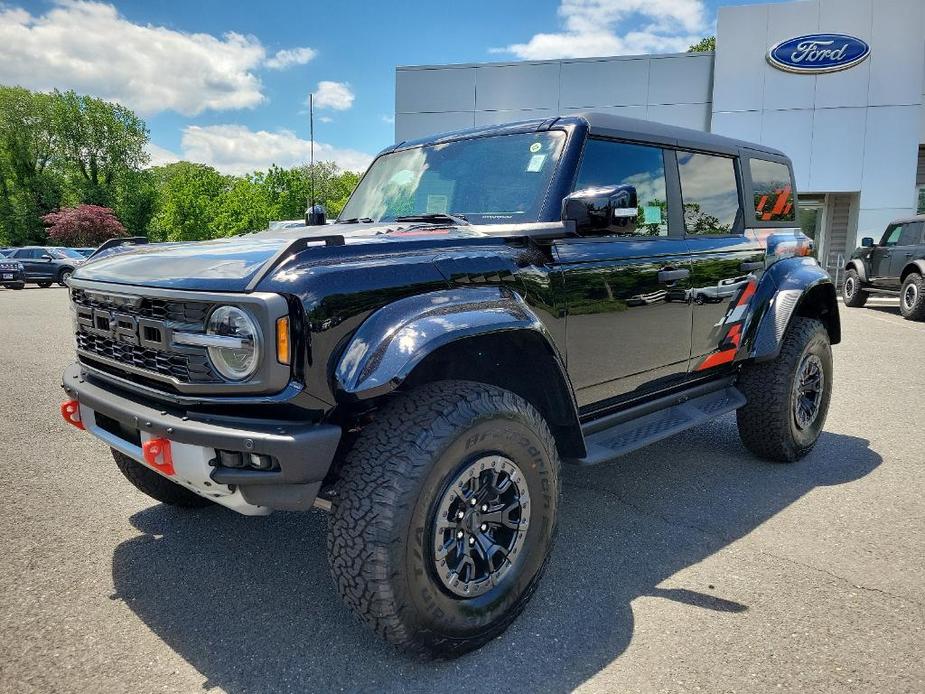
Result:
[[314, 215]]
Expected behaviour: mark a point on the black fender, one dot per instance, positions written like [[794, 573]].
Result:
[[386, 348], [915, 266], [792, 287], [857, 264]]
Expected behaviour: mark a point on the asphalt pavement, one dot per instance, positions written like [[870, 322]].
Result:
[[688, 566]]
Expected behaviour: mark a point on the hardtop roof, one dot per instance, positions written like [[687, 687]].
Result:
[[610, 125]]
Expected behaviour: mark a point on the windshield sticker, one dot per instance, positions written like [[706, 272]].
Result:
[[535, 147], [652, 214], [536, 163], [436, 204]]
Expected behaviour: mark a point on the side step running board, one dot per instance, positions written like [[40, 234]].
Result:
[[623, 437]]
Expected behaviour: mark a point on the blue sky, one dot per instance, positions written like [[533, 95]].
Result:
[[226, 83]]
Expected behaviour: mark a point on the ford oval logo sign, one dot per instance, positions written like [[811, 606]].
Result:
[[817, 53]]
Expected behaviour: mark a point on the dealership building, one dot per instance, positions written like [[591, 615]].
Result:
[[851, 117]]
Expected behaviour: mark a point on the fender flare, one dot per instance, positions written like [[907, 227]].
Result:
[[391, 342], [857, 265], [783, 292], [917, 264]]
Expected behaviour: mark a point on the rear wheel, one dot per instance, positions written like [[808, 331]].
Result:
[[155, 485], [44, 285], [852, 292], [445, 516], [788, 397], [912, 297]]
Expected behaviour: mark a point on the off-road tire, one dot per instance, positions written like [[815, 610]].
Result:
[[852, 292], [44, 285], [912, 297], [401, 465], [767, 423], [157, 486]]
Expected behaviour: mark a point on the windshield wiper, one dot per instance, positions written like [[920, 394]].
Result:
[[356, 220], [457, 219]]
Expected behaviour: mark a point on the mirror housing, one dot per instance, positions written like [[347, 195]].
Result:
[[45, 256], [605, 210], [315, 216], [867, 242]]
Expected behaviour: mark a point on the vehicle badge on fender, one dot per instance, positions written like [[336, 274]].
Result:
[[818, 53]]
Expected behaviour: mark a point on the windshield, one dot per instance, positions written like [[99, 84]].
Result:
[[64, 253], [487, 180]]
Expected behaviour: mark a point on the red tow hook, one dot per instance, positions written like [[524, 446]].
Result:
[[70, 410], [157, 455]]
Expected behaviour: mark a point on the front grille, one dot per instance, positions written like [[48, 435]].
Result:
[[142, 346]]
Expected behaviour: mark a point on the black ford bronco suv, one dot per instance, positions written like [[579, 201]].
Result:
[[893, 267], [489, 303]]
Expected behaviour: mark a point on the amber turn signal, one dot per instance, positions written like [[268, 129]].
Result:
[[282, 340]]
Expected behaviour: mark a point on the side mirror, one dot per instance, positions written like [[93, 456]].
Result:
[[315, 216], [46, 257], [867, 242], [605, 210]]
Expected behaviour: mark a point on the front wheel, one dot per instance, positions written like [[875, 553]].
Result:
[[788, 397], [853, 293], [912, 297], [445, 516], [44, 285], [64, 276]]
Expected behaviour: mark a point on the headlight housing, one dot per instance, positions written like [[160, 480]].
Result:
[[239, 357]]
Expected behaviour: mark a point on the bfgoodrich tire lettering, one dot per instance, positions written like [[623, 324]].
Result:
[[771, 425], [380, 541]]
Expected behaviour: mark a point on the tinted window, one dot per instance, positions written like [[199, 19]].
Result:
[[614, 163], [708, 188], [773, 191], [912, 233], [891, 235], [490, 180], [27, 253]]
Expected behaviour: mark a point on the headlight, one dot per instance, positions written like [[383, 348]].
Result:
[[239, 357]]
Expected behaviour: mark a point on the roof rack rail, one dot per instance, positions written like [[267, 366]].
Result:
[[288, 250], [121, 241]]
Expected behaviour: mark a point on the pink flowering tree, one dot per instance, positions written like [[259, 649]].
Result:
[[84, 225]]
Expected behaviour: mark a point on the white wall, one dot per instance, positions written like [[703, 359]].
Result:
[[674, 89], [854, 130]]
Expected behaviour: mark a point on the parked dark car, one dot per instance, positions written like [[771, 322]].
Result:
[[45, 265], [12, 274], [489, 303], [893, 267]]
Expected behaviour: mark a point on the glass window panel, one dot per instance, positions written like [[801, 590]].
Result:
[[773, 191], [709, 192]]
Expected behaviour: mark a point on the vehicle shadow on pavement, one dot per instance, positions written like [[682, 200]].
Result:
[[250, 604]]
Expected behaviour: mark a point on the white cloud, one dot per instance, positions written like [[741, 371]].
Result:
[[89, 47], [591, 28], [160, 155], [335, 95], [237, 149], [289, 57], [325, 119], [388, 119]]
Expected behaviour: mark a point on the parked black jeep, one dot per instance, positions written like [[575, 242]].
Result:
[[893, 267], [46, 265], [491, 302]]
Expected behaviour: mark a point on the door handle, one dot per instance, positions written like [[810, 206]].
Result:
[[750, 266], [909, 255], [672, 275]]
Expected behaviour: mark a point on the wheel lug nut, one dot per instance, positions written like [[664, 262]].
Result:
[[459, 535], [473, 502], [483, 527], [484, 508], [460, 515], [471, 540]]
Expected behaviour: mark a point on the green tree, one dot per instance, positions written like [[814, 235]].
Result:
[[705, 45], [188, 196], [98, 142], [30, 185], [243, 206]]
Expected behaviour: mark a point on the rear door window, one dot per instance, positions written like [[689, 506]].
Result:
[[710, 193], [773, 191], [912, 233]]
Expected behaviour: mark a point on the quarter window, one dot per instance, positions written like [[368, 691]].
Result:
[[912, 233], [773, 190], [709, 192], [607, 163]]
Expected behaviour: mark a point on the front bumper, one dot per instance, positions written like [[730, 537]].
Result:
[[12, 277], [304, 451]]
